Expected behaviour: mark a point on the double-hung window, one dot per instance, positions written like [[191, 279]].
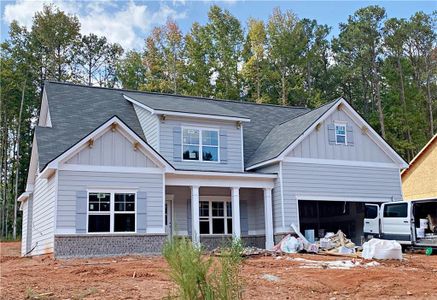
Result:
[[110, 212], [215, 217], [200, 144], [340, 134]]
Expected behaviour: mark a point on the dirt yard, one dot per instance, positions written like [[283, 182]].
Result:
[[302, 276]]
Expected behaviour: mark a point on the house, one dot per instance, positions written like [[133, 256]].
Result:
[[116, 172], [419, 180]]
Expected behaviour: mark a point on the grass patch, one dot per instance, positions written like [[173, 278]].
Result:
[[199, 276]]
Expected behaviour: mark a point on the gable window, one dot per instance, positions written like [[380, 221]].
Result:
[[110, 212], [215, 217], [340, 134], [200, 144]]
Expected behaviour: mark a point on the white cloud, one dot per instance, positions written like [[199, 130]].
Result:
[[126, 23]]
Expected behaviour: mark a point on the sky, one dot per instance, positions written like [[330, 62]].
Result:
[[128, 22]]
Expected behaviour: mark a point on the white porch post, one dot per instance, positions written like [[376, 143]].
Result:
[[268, 215], [236, 228], [195, 226]]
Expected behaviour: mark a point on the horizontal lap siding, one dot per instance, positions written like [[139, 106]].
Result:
[[43, 213], [233, 136], [71, 182], [301, 179], [255, 208], [150, 125], [276, 194]]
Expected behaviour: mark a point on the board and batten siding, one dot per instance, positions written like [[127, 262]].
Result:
[[43, 214], [72, 182], [230, 144], [322, 180], [150, 125], [317, 145], [276, 195], [111, 149]]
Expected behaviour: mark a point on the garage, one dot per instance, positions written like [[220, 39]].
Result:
[[330, 216]]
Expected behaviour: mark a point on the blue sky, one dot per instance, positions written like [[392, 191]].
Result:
[[128, 22]]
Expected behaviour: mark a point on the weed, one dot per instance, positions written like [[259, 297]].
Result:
[[200, 277]]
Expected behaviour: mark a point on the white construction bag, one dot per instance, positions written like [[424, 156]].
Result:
[[382, 249]]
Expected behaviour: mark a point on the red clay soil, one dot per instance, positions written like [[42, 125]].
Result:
[[135, 277]]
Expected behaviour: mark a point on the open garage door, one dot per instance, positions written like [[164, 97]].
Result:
[[330, 216]]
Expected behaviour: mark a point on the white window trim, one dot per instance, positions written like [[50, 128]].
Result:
[[111, 211], [200, 129], [344, 124], [211, 217]]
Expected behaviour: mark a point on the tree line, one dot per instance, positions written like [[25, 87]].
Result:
[[385, 67]]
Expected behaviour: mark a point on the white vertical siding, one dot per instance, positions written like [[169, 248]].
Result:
[[112, 149], [234, 145], [150, 125], [43, 213], [316, 145]]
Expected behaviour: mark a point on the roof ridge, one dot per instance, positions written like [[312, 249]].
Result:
[[177, 95]]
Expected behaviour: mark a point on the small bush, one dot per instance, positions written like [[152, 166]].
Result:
[[201, 277]]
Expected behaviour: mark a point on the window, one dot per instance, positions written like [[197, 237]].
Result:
[[371, 212], [215, 217], [200, 144], [398, 210], [340, 134], [111, 212]]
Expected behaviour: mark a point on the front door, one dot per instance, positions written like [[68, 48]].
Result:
[[168, 218]]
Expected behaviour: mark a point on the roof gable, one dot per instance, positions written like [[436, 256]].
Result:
[[294, 131], [430, 146]]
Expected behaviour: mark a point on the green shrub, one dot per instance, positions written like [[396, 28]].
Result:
[[198, 276]]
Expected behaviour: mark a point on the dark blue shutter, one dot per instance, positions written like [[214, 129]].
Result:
[[141, 212], [331, 134], [244, 219], [350, 135], [223, 146], [177, 147], [189, 216], [81, 211]]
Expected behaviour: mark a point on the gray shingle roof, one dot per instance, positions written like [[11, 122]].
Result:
[[283, 135], [77, 110], [176, 103]]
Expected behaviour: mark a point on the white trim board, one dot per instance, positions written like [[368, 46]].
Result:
[[110, 169], [342, 103], [342, 199], [184, 114], [338, 162]]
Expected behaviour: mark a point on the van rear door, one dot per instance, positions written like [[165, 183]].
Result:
[[371, 221], [395, 221]]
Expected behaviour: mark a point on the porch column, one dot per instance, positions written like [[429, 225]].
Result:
[[195, 226], [236, 228], [268, 216]]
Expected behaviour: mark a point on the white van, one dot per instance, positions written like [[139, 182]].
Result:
[[399, 220]]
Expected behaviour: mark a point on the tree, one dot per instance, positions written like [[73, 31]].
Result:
[[286, 46], [361, 39], [130, 71], [90, 54], [53, 36], [255, 70], [198, 69], [225, 52]]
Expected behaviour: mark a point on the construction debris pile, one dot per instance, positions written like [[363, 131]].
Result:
[[330, 244]]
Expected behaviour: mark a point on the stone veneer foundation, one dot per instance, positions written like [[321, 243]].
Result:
[[84, 245], [212, 242]]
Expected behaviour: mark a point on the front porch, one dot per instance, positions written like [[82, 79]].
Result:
[[213, 209]]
